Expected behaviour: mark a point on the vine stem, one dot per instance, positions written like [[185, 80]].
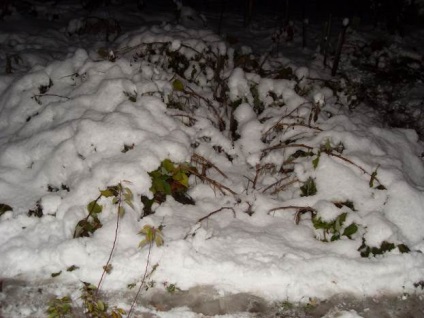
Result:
[[105, 268], [142, 281]]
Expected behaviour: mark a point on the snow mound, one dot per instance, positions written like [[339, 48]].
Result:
[[297, 198]]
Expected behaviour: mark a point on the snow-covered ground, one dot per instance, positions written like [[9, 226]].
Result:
[[297, 199]]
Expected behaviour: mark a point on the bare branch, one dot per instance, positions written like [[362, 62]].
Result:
[[216, 211]]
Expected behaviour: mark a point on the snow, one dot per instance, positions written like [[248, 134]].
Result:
[[61, 146]]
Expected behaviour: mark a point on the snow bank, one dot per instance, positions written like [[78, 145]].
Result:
[[78, 126]]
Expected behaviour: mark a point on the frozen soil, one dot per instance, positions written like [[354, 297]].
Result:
[[20, 298]]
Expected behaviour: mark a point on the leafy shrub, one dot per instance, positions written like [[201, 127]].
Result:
[[168, 179], [335, 229]]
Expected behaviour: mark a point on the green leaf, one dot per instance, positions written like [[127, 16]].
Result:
[[181, 177], [94, 208], [327, 146], [107, 193], [72, 268], [403, 248], [350, 230], [309, 188], [128, 195], [101, 305], [151, 235], [373, 177], [56, 274], [315, 162], [158, 239], [177, 85], [130, 204], [142, 243], [168, 165]]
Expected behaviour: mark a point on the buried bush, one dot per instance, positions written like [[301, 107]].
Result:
[[335, 229], [168, 179]]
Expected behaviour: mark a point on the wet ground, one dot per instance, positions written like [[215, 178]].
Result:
[[22, 299]]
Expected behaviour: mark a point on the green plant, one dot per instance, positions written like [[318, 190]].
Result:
[[87, 226], [168, 179], [286, 305], [171, 288], [385, 247], [308, 188], [95, 307], [334, 229], [151, 235], [60, 307]]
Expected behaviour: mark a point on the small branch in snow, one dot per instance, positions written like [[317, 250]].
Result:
[[213, 183], [206, 164], [275, 184], [216, 211], [372, 175], [299, 211], [143, 280], [106, 268], [281, 146], [279, 123], [191, 119], [284, 186]]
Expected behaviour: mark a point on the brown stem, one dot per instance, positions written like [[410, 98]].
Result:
[[142, 280], [105, 268], [206, 163], [214, 212], [299, 210], [214, 183]]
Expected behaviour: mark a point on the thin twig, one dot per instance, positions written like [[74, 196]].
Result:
[[330, 153], [105, 268], [51, 95], [216, 211], [299, 210], [282, 187], [274, 184], [221, 123], [281, 146], [214, 183], [204, 162], [142, 281]]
